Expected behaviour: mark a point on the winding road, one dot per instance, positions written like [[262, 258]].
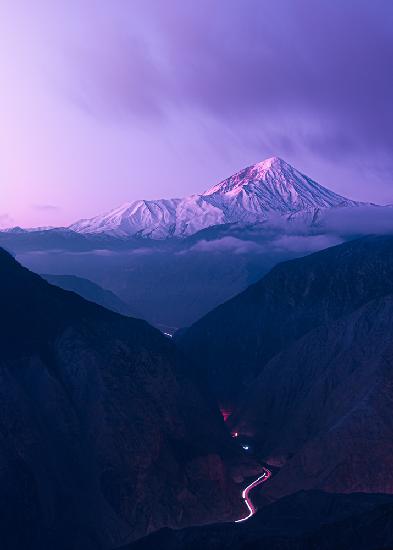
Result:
[[261, 479]]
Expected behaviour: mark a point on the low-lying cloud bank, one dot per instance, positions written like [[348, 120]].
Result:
[[363, 220], [278, 235], [304, 244], [299, 235], [227, 244]]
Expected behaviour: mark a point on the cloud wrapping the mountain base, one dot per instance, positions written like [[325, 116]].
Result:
[[227, 244], [297, 236], [335, 225], [304, 244], [289, 243], [362, 220]]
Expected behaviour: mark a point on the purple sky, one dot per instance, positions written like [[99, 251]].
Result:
[[106, 101]]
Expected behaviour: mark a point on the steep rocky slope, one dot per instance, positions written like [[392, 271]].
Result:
[[90, 291], [321, 409], [304, 361], [232, 343], [309, 520], [102, 437]]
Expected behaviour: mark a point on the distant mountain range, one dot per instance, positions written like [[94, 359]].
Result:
[[91, 292], [270, 187], [172, 261]]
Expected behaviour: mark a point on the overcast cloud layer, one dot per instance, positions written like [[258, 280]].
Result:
[[106, 102]]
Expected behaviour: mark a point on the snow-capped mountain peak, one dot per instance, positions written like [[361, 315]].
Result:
[[239, 180], [149, 218], [277, 186], [251, 195]]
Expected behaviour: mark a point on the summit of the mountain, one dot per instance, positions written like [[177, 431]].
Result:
[[273, 185], [270, 187]]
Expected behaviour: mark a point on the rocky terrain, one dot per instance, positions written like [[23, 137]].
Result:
[[90, 291], [309, 520], [321, 409], [103, 436], [303, 361], [232, 344], [109, 431]]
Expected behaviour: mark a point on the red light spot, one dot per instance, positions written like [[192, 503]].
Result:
[[226, 413]]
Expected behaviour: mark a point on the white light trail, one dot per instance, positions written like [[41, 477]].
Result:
[[261, 479]]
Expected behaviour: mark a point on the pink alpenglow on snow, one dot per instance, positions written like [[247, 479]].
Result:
[[257, 193]]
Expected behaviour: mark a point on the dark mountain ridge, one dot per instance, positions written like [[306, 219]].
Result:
[[303, 361], [308, 520], [321, 409], [232, 343], [90, 291], [103, 438]]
